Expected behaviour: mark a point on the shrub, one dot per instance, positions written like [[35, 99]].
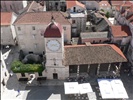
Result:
[[107, 15], [19, 67], [102, 10]]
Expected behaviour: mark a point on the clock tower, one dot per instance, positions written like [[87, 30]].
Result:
[[54, 50]]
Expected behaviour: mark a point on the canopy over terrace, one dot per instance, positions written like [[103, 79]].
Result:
[[112, 89], [71, 88], [93, 54]]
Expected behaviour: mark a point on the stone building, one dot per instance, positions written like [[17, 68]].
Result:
[[121, 35], [58, 5], [12, 6], [8, 33], [124, 16], [31, 25], [83, 58], [104, 5], [94, 37], [78, 14], [54, 48], [77, 60]]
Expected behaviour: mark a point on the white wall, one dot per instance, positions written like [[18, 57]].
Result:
[[6, 36], [50, 55], [80, 22], [67, 33], [4, 74], [24, 3], [126, 40], [78, 8], [63, 72], [27, 38], [14, 16]]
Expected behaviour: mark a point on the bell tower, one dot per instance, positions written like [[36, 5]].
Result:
[[54, 49]]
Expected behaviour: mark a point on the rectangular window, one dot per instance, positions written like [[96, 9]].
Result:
[[64, 28], [40, 74], [23, 75], [19, 29], [5, 74], [11, 7], [73, 21], [30, 52], [33, 27]]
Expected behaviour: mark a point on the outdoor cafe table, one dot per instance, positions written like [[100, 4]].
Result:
[[105, 89], [118, 88], [85, 88], [71, 87]]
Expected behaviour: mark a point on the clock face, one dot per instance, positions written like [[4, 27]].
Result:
[[53, 45]]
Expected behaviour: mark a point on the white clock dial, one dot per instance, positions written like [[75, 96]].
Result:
[[53, 45]]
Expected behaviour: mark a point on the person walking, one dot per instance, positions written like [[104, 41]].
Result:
[[18, 93]]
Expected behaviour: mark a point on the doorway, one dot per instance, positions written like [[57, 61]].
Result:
[[55, 76]]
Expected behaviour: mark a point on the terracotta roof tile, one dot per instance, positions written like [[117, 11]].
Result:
[[42, 18], [104, 4], [93, 54], [120, 31], [116, 2], [72, 3], [6, 18]]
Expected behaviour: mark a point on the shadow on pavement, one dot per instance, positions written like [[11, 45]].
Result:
[[44, 92]]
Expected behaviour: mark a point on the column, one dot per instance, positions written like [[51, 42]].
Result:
[[124, 48], [109, 68], [120, 66], [88, 69], [98, 68], [78, 70]]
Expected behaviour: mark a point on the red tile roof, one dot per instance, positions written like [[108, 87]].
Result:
[[42, 18], [104, 4], [72, 3], [93, 54], [120, 31], [53, 30], [6, 18], [116, 2], [118, 8]]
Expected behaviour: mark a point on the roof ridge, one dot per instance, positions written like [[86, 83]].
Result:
[[63, 16], [118, 50]]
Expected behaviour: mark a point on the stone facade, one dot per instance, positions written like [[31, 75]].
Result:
[[14, 6], [59, 5], [30, 40], [8, 33], [79, 18]]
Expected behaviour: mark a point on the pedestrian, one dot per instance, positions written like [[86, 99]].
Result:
[[18, 93]]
